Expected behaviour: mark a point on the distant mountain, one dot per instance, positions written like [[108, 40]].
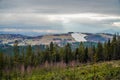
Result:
[[111, 31], [32, 34], [12, 36]]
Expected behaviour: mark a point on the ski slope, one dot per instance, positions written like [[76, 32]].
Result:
[[79, 37]]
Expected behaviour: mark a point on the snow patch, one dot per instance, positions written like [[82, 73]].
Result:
[[79, 37]]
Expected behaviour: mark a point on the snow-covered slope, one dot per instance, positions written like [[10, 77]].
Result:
[[79, 37]]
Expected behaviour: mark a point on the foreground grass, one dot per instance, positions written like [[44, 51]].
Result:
[[99, 71]]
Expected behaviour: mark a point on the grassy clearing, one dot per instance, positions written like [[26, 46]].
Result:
[[99, 71]]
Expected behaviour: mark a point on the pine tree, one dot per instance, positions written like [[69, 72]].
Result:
[[81, 52], [51, 51], [16, 57], [91, 52], [29, 55], [23, 56], [51, 47], [105, 51], [86, 55], [68, 53], [109, 50], [16, 52], [39, 56], [76, 54], [56, 56], [118, 47], [114, 47], [99, 52], [1, 65], [47, 55]]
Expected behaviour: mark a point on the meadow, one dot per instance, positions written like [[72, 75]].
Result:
[[109, 70]]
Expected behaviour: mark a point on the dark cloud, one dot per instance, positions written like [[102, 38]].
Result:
[[61, 6]]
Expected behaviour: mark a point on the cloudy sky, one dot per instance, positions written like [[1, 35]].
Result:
[[58, 16]]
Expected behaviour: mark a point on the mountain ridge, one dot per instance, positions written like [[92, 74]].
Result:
[[59, 39]]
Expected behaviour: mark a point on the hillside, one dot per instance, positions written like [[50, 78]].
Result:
[[59, 39], [99, 71]]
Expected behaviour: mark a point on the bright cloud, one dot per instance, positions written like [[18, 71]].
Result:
[[51, 19], [116, 24], [28, 30]]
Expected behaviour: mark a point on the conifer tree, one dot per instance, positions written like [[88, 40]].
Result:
[[1, 65], [51, 51], [47, 55], [109, 50], [99, 52], [114, 47], [16, 57], [105, 51], [86, 54], [16, 52], [118, 47], [76, 54], [68, 53], [91, 52], [81, 52], [28, 55]]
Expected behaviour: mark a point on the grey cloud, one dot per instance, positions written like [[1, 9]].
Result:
[[61, 6], [34, 14]]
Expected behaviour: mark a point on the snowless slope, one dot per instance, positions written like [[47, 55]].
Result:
[[79, 37]]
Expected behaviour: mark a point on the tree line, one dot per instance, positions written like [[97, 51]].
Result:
[[107, 51]]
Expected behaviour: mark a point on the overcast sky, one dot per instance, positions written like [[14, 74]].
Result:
[[58, 16]]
